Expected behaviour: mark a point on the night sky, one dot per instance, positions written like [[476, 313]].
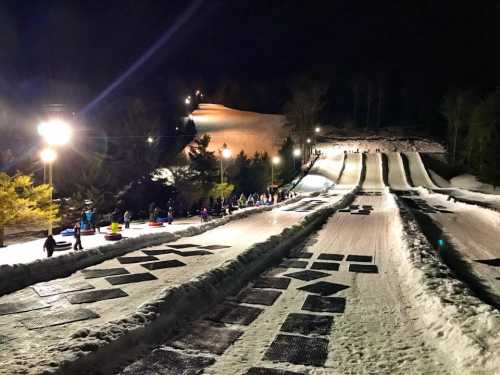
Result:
[[70, 51]]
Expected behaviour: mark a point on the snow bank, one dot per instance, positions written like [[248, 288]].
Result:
[[89, 349], [18, 276], [383, 143], [462, 325]]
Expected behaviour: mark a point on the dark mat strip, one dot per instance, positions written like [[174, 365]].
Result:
[[132, 278], [363, 268], [258, 296], [359, 258], [298, 350], [323, 288], [324, 304], [307, 275], [96, 295], [234, 314], [272, 283], [306, 324], [19, 307], [137, 259], [325, 266], [326, 256], [163, 264], [95, 273]]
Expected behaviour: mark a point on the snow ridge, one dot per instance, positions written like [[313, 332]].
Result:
[[90, 349], [18, 276], [462, 325]]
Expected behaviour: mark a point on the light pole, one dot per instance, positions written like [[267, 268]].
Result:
[[225, 153], [275, 161], [296, 155], [54, 132]]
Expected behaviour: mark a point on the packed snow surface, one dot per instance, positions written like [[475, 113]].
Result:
[[418, 173], [396, 173], [352, 171], [373, 178], [324, 173]]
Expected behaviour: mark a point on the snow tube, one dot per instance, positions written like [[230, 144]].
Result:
[[109, 227], [67, 232], [87, 232], [62, 245], [155, 224], [162, 220], [112, 236]]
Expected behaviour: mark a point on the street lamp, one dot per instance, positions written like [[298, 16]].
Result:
[[317, 129], [187, 100], [225, 153], [150, 140], [296, 155], [274, 161], [48, 156], [55, 132]]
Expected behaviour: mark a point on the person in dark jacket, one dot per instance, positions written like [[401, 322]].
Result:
[[77, 235], [49, 245]]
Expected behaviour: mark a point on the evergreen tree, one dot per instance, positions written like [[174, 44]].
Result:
[[23, 203], [288, 163]]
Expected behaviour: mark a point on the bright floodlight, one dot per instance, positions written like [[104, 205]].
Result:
[[276, 160], [308, 140], [296, 152], [226, 153], [317, 129], [187, 100], [150, 140], [48, 155], [198, 92], [55, 132]]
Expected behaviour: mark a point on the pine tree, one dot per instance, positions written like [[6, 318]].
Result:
[[23, 203]]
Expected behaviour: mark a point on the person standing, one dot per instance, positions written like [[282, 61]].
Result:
[[170, 215], [126, 219], [77, 235], [49, 245]]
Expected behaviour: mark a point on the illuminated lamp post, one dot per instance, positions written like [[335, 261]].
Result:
[[274, 161], [54, 132], [296, 155]]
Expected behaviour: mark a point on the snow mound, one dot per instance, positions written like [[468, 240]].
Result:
[[440, 181], [461, 324]]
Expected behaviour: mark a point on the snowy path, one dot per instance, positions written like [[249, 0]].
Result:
[[418, 173], [352, 171], [474, 234], [373, 178], [375, 334], [396, 173], [30, 251], [26, 349], [473, 197]]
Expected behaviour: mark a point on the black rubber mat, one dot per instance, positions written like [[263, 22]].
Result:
[[214, 247], [327, 256], [92, 274], [306, 324], [363, 268], [132, 278], [324, 304], [234, 314], [307, 275], [360, 213], [163, 264], [164, 361], [304, 255], [272, 282], [344, 210], [19, 307], [298, 350], [59, 318], [325, 266], [206, 337], [324, 288], [289, 263], [137, 259], [359, 258], [495, 262], [96, 295], [258, 296], [192, 253], [270, 371], [58, 287], [182, 246], [158, 252]]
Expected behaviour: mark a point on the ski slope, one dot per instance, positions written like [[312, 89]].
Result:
[[418, 173], [324, 173], [396, 173], [352, 171], [373, 178]]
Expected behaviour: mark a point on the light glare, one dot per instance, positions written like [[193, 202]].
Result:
[[226, 153], [296, 152], [48, 155], [276, 160], [55, 132]]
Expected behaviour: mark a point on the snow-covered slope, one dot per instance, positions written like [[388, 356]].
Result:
[[418, 172], [396, 173], [373, 178], [352, 171], [240, 130]]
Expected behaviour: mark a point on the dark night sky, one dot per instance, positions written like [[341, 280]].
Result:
[[71, 50]]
